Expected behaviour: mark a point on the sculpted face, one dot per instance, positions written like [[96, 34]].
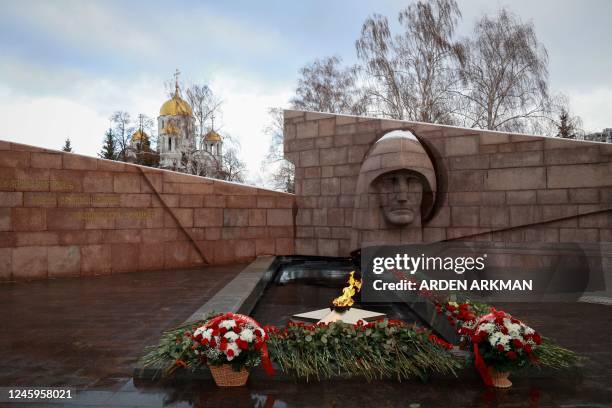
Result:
[[400, 193]]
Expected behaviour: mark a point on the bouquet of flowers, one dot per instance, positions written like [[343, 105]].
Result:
[[232, 340], [501, 344]]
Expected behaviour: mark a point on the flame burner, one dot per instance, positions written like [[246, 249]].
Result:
[[345, 301]]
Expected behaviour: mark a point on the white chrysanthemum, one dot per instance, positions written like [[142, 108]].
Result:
[[487, 327], [231, 336], [247, 335], [228, 324], [529, 330]]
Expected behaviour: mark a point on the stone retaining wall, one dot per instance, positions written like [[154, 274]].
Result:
[[63, 214], [492, 186]]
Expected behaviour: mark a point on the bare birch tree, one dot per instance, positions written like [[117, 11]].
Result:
[[281, 171], [413, 75], [204, 104], [325, 86], [121, 123], [505, 75]]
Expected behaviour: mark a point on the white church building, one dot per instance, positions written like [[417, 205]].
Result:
[[178, 145]]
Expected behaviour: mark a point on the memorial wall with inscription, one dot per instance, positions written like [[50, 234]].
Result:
[[63, 214]]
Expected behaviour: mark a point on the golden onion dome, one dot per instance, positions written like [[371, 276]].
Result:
[[139, 136], [175, 106], [212, 136]]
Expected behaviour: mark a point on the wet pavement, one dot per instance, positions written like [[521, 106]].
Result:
[[88, 333]]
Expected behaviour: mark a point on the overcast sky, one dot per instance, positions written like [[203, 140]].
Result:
[[65, 66]]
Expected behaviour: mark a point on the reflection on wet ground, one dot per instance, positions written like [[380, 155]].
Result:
[[88, 333]]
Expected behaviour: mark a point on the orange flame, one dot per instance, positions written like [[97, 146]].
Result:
[[346, 299]]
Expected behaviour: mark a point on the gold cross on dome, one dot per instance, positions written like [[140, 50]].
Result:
[[176, 75]]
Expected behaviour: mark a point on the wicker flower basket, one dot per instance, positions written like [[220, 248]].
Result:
[[225, 376], [500, 379]]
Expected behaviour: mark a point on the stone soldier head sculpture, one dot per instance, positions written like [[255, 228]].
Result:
[[395, 191]]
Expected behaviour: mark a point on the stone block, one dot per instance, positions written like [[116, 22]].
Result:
[[516, 178], [98, 182], [517, 159], [280, 217], [247, 201], [579, 175], [477, 198], [299, 145], [64, 261], [335, 217], [10, 158], [330, 186], [364, 138], [552, 196], [464, 216], [135, 200], [323, 142], [494, 138], [121, 236], [214, 201], [461, 145], [12, 199], [521, 197], [264, 246], [5, 219], [577, 155], [305, 130], [312, 172], [469, 162], [46, 160], [208, 217], [309, 158], [284, 246], [524, 215], [191, 200], [584, 195], [151, 256], [578, 235], [76, 162], [257, 217], [244, 249], [328, 247], [184, 216], [235, 217], [285, 201], [327, 127], [305, 246], [495, 217], [124, 257], [126, 183], [466, 180], [5, 264], [29, 262], [311, 187], [41, 238], [29, 219], [334, 156], [266, 202]]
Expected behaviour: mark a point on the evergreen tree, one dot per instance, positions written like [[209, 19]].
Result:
[[109, 149], [67, 146], [565, 126]]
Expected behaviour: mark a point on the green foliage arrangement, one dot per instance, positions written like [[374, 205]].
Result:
[[382, 349]]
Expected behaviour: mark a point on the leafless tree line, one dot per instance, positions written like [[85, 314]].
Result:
[[496, 79]]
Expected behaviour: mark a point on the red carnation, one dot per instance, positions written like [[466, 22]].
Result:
[[504, 330], [500, 347], [230, 353], [242, 344], [537, 338], [517, 343], [528, 348], [511, 355]]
